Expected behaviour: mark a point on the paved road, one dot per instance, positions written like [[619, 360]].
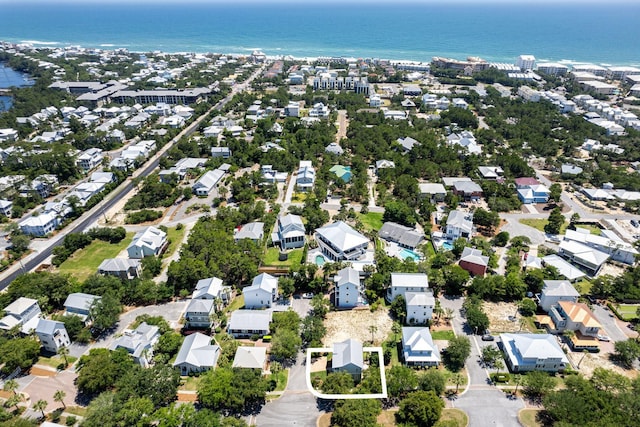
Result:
[[607, 320], [484, 404], [296, 406]]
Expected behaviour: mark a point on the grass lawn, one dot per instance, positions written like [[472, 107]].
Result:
[[55, 361], [371, 220], [298, 197], [427, 249], [539, 224], [583, 286], [281, 378], [456, 415], [85, 262], [175, 236], [628, 311], [189, 383], [442, 335], [271, 257], [387, 418], [527, 417], [76, 410], [238, 302]]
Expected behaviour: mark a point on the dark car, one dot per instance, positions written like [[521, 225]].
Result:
[[488, 337]]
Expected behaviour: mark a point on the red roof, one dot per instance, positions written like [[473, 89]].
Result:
[[526, 181]]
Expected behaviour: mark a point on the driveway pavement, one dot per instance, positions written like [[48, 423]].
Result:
[[608, 321], [296, 406]]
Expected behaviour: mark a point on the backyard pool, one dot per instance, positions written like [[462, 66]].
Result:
[[320, 260], [447, 246], [407, 253]]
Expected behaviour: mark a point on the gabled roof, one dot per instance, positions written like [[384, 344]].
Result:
[[522, 182], [209, 286], [431, 188], [409, 280], [250, 357], [579, 313], [461, 220], [20, 305], [342, 236], [347, 275], [252, 230], [209, 179], [135, 342], [290, 223], [48, 327], [533, 346], [151, 237], [399, 233], [118, 264], [419, 339], [197, 350], [348, 352], [584, 252], [80, 301], [200, 306], [263, 281], [467, 187], [564, 268]]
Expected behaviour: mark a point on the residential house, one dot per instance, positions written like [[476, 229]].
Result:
[[340, 242], [407, 143], [212, 288], [468, 190], [196, 354], [292, 109], [224, 152], [306, 176], [419, 307], [89, 159], [433, 192], [490, 172], [401, 283], [533, 352], [348, 289], [53, 335], [262, 292], [79, 304], [474, 262], [334, 148], [289, 232], [565, 269], [39, 225], [574, 316], [589, 259], [617, 249], [271, 175], [253, 231], [384, 164], [5, 207], [418, 348], [466, 141], [247, 323], [23, 313], [459, 225], [319, 110], [348, 357], [538, 193], [149, 242], [250, 358], [139, 343], [207, 182], [555, 291], [405, 237], [568, 169], [123, 268], [198, 314]]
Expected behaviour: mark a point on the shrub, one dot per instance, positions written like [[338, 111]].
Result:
[[144, 215]]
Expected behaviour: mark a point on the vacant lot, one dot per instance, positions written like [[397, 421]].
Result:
[[357, 324], [501, 317], [598, 360], [371, 220], [85, 262]]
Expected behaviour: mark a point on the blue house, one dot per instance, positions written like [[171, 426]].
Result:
[[533, 194]]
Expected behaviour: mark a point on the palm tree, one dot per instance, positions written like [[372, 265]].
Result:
[[11, 385], [64, 352], [584, 354], [458, 380], [523, 323], [40, 405], [498, 364], [437, 310], [59, 396], [517, 378], [373, 329], [396, 328], [448, 314], [13, 400]]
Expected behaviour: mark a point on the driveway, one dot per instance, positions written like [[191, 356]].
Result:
[[484, 404], [608, 321], [296, 406], [515, 228]]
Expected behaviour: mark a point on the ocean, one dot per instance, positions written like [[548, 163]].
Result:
[[605, 33]]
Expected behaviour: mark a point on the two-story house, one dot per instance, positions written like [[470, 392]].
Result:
[[348, 357], [248, 323], [139, 343], [289, 232], [401, 283], [197, 354], [123, 268], [419, 307], [348, 289], [418, 348], [52, 334], [459, 225], [262, 292], [212, 288], [23, 313], [533, 352], [148, 242], [306, 176], [555, 291], [198, 314], [340, 242], [574, 316], [79, 304]]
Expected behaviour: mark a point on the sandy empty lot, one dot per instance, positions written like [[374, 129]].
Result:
[[500, 316], [342, 325]]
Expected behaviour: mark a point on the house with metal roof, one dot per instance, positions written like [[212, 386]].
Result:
[[468, 190], [618, 249], [407, 143], [246, 323], [340, 242], [533, 352], [289, 232], [418, 348], [589, 259], [474, 262], [39, 225], [250, 358], [435, 192], [79, 304], [565, 269], [139, 343], [253, 231], [123, 268], [148, 242], [419, 307], [348, 357], [405, 237], [334, 148], [555, 291], [401, 283], [305, 176], [207, 182], [198, 314], [52, 334], [196, 354], [348, 291], [23, 312], [490, 172], [262, 292], [459, 225], [212, 288]]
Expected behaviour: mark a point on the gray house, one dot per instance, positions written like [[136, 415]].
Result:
[[79, 304], [197, 354], [245, 323], [198, 313], [347, 357], [53, 335], [123, 268], [289, 232]]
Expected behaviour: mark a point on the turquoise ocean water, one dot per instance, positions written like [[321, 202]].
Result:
[[608, 33]]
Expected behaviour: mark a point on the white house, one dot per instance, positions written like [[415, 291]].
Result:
[[435, 192], [419, 307], [253, 231], [289, 233], [459, 225], [5, 207], [348, 289], [533, 352], [401, 283], [196, 354], [246, 323], [198, 313], [207, 182], [250, 358], [319, 110], [52, 334], [340, 242], [418, 348], [139, 343], [618, 249], [79, 304], [555, 291], [574, 316], [348, 357], [151, 241], [23, 312], [306, 176], [262, 292], [40, 225], [212, 288], [89, 159]]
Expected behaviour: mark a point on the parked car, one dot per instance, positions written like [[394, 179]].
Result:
[[488, 337], [307, 295], [603, 338], [634, 223]]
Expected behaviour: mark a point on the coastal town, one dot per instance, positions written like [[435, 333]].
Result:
[[198, 239]]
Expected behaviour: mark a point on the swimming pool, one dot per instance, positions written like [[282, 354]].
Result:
[[447, 246], [320, 260], [407, 253]]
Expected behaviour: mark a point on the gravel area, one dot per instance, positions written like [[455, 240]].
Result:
[[501, 315]]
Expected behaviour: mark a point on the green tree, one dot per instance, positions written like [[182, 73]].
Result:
[[401, 380], [59, 396], [420, 409], [11, 385], [232, 390], [338, 383], [457, 353], [477, 319], [501, 239], [455, 279], [287, 286], [285, 344], [319, 306], [627, 351], [356, 413], [40, 405], [555, 222], [312, 331], [105, 312], [538, 383], [555, 191], [433, 380], [19, 353], [527, 307], [490, 355], [398, 309]]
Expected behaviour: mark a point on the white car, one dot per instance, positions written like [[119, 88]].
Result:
[[603, 338]]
